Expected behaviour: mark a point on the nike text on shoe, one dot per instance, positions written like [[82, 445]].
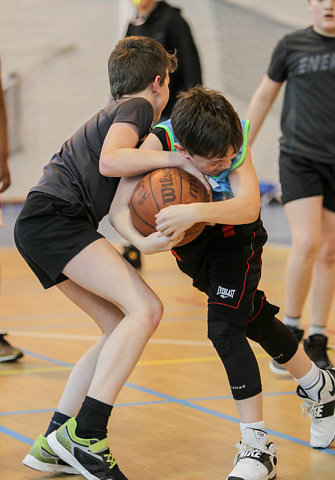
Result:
[[256, 458], [276, 367], [43, 459], [90, 456], [322, 411], [316, 348]]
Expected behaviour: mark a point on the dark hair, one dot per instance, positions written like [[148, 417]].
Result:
[[135, 62], [205, 123]]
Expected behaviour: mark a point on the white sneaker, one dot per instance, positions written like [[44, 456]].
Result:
[[322, 411], [256, 458]]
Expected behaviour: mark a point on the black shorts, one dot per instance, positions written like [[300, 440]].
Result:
[[49, 232], [302, 178], [226, 264]]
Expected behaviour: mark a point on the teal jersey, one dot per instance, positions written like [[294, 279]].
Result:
[[220, 184]]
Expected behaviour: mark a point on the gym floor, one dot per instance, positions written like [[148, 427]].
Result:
[[175, 418]]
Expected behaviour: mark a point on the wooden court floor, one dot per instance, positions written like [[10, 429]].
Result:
[[175, 418]]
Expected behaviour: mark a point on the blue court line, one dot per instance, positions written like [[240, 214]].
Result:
[[116, 405], [134, 404], [185, 403], [224, 397], [224, 416], [47, 359], [44, 410], [17, 436]]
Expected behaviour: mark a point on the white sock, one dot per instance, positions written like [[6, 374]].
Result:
[[311, 382], [255, 426], [317, 330], [292, 321]]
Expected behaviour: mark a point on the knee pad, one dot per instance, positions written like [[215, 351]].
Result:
[[236, 355], [273, 336]]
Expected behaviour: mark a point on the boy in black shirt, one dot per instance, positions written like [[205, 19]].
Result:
[[56, 233], [305, 60]]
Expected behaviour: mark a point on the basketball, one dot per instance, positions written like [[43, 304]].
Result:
[[162, 188]]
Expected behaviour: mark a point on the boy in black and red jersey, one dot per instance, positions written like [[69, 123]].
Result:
[[225, 263]]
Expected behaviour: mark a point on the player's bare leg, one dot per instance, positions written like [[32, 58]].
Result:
[[107, 316], [304, 217], [323, 282], [101, 270], [251, 409], [322, 293]]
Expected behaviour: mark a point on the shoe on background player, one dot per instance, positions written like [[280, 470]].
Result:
[[8, 353], [315, 346]]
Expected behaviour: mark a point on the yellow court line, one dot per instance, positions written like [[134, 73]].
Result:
[[144, 363], [190, 360], [178, 360], [34, 370]]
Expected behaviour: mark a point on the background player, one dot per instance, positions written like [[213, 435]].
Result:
[[305, 60], [8, 353], [164, 23]]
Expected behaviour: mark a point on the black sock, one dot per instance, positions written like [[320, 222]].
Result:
[[58, 419], [92, 419]]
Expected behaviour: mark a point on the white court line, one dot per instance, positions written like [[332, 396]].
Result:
[[77, 336]]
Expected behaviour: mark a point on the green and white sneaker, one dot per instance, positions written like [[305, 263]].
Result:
[[43, 459], [89, 456]]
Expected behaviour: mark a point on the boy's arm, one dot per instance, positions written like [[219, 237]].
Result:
[[260, 104], [243, 208], [119, 217], [119, 214], [120, 158]]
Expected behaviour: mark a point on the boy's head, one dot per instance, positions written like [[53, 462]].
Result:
[[208, 129], [323, 12], [135, 63]]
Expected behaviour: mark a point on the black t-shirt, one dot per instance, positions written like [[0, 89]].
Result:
[[73, 173], [306, 60]]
